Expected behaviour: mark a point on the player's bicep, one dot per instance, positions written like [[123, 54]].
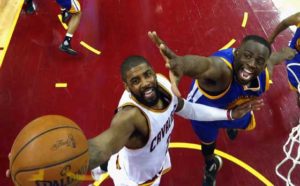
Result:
[[218, 74], [111, 140], [122, 127]]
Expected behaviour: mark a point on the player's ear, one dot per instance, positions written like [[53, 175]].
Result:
[[125, 86], [236, 52], [298, 45]]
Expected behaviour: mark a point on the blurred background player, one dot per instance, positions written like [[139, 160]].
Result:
[[70, 10], [293, 65], [30, 6]]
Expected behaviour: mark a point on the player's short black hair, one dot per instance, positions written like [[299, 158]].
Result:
[[258, 39], [130, 62]]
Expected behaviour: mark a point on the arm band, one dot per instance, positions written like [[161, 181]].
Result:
[[199, 112]]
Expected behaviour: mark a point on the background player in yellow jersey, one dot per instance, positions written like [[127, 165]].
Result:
[[70, 10]]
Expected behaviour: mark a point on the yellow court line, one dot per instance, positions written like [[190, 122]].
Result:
[[245, 19], [63, 24], [61, 85], [90, 48], [226, 156], [228, 44], [11, 30], [218, 152]]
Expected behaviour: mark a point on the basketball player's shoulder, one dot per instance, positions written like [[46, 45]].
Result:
[[130, 112], [162, 77], [131, 115], [163, 80], [226, 53]]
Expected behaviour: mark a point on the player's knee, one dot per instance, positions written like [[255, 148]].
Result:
[[76, 15]]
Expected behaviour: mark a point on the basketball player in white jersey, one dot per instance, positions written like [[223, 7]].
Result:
[[136, 144]]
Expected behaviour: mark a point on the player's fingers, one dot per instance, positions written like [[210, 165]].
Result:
[[7, 173], [166, 59], [167, 51], [151, 36], [174, 84], [175, 90], [154, 37], [157, 38], [257, 103], [253, 102]]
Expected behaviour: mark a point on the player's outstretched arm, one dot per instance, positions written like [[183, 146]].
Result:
[[193, 66], [113, 139], [284, 24], [276, 58], [196, 111]]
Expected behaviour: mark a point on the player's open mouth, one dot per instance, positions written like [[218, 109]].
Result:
[[246, 74], [149, 93]]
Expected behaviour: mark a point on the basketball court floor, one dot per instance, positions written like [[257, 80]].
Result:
[[92, 86]]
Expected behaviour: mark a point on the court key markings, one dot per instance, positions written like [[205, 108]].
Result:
[[232, 41]]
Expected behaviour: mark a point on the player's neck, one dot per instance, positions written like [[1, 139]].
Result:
[[159, 105]]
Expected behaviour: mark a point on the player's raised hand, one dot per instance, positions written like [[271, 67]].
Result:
[[166, 52], [288, 53], [241, 110], [171, 59], [155, 39]]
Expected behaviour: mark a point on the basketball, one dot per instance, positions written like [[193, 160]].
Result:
[[50, 150]]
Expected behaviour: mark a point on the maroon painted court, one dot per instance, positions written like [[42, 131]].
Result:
[[33, 64]]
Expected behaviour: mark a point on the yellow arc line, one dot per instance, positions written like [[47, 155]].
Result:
[[218, 152], [61, 85], [63, 24], [228, 44], [11, 30], [90, 48], [245, 19], [226, 156]]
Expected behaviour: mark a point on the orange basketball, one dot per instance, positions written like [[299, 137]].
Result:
[[50, 150]]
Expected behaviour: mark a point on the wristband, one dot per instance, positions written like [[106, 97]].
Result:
[[229, 114]]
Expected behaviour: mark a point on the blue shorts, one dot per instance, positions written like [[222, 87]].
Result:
[[72, 6], [207, 131]]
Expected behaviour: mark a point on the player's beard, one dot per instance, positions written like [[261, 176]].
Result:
[[148, 102]]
